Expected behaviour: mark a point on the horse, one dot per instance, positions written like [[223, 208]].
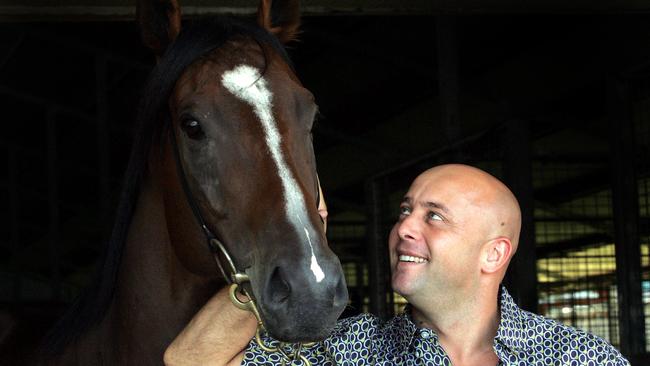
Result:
[[223, 147]]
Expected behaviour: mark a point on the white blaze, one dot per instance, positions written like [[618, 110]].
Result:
[[246, 83]]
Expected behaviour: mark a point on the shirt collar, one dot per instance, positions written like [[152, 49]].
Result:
[[512, 331], [403, 329]]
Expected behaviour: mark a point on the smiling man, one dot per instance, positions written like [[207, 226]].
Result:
[[457, 230]]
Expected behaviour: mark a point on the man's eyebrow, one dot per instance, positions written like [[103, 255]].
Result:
[[437, 205], [428, 204]]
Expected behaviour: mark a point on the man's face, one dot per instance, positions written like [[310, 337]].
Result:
[[435, 245]]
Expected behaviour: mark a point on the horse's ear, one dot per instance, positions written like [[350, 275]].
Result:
[[159, 22], [280, 17]]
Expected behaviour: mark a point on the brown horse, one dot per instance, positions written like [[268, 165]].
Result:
[[224, 115]]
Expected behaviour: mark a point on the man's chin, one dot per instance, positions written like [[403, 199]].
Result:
[[403, 286]]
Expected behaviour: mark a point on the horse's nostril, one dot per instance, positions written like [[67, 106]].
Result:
[[279, 287]]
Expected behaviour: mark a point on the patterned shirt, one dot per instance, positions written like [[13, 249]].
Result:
[[522, 339]]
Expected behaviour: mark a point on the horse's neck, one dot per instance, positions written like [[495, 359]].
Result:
[[155, 296]]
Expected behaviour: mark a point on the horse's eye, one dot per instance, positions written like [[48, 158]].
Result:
[[192, 128]]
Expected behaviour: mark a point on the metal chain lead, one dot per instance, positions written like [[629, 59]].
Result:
[[250, 306], [236, 280]]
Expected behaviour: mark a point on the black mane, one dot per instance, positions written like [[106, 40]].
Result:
[[195, 40]]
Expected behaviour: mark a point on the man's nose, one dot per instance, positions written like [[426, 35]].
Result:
[[408, 229]]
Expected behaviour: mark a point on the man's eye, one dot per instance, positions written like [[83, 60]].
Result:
[[404, 210], [434, 216]]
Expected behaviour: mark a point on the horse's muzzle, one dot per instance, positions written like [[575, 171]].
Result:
[[296, 306]]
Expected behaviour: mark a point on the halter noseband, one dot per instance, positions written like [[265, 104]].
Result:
[[234, 277]]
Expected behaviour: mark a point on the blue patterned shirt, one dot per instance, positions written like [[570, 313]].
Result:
[[522, 339]]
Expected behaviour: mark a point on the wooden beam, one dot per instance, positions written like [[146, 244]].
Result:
[[575, 187], [66, 10], [522, 274], [561, 247]]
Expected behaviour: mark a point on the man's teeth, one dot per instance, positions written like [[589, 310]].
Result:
[[408, 258]]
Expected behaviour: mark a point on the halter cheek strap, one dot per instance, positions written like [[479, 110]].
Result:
[[229, 271], [235, 278]]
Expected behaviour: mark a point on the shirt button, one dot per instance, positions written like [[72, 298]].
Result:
[[425, 334]]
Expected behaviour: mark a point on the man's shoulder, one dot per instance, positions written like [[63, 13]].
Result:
[[523, 335], [545, 328], [568, 343]]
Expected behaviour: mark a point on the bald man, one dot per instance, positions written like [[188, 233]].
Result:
[[457, 230]]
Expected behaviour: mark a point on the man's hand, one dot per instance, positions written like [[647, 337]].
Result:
[[322, 207], [217, 335]]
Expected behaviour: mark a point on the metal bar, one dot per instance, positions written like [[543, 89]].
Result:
[[626, 219], [103, 148], [448, 85], [53, 205], [519, 177], [377, 252]]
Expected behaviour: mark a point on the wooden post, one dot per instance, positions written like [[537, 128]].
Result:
[[360, 290], [625, 207], [14, 206], [522, 273], [378, 271]]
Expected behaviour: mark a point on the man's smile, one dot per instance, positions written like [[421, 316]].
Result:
[[412, 259]]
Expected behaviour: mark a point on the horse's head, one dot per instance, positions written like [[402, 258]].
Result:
[[242, 124]]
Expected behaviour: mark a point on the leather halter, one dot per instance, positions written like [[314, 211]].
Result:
[[229, 271], [233, 276], [214, 244]]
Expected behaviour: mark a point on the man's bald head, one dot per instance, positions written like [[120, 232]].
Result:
[[457, 231], [500, 210]]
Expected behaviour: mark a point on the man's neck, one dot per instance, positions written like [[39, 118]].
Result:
[[466, 331]]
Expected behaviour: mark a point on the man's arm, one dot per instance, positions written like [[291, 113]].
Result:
[[217, 335]]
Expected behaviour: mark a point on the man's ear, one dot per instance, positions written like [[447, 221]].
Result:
[[496, 255], [280, 17], [159, 22]]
